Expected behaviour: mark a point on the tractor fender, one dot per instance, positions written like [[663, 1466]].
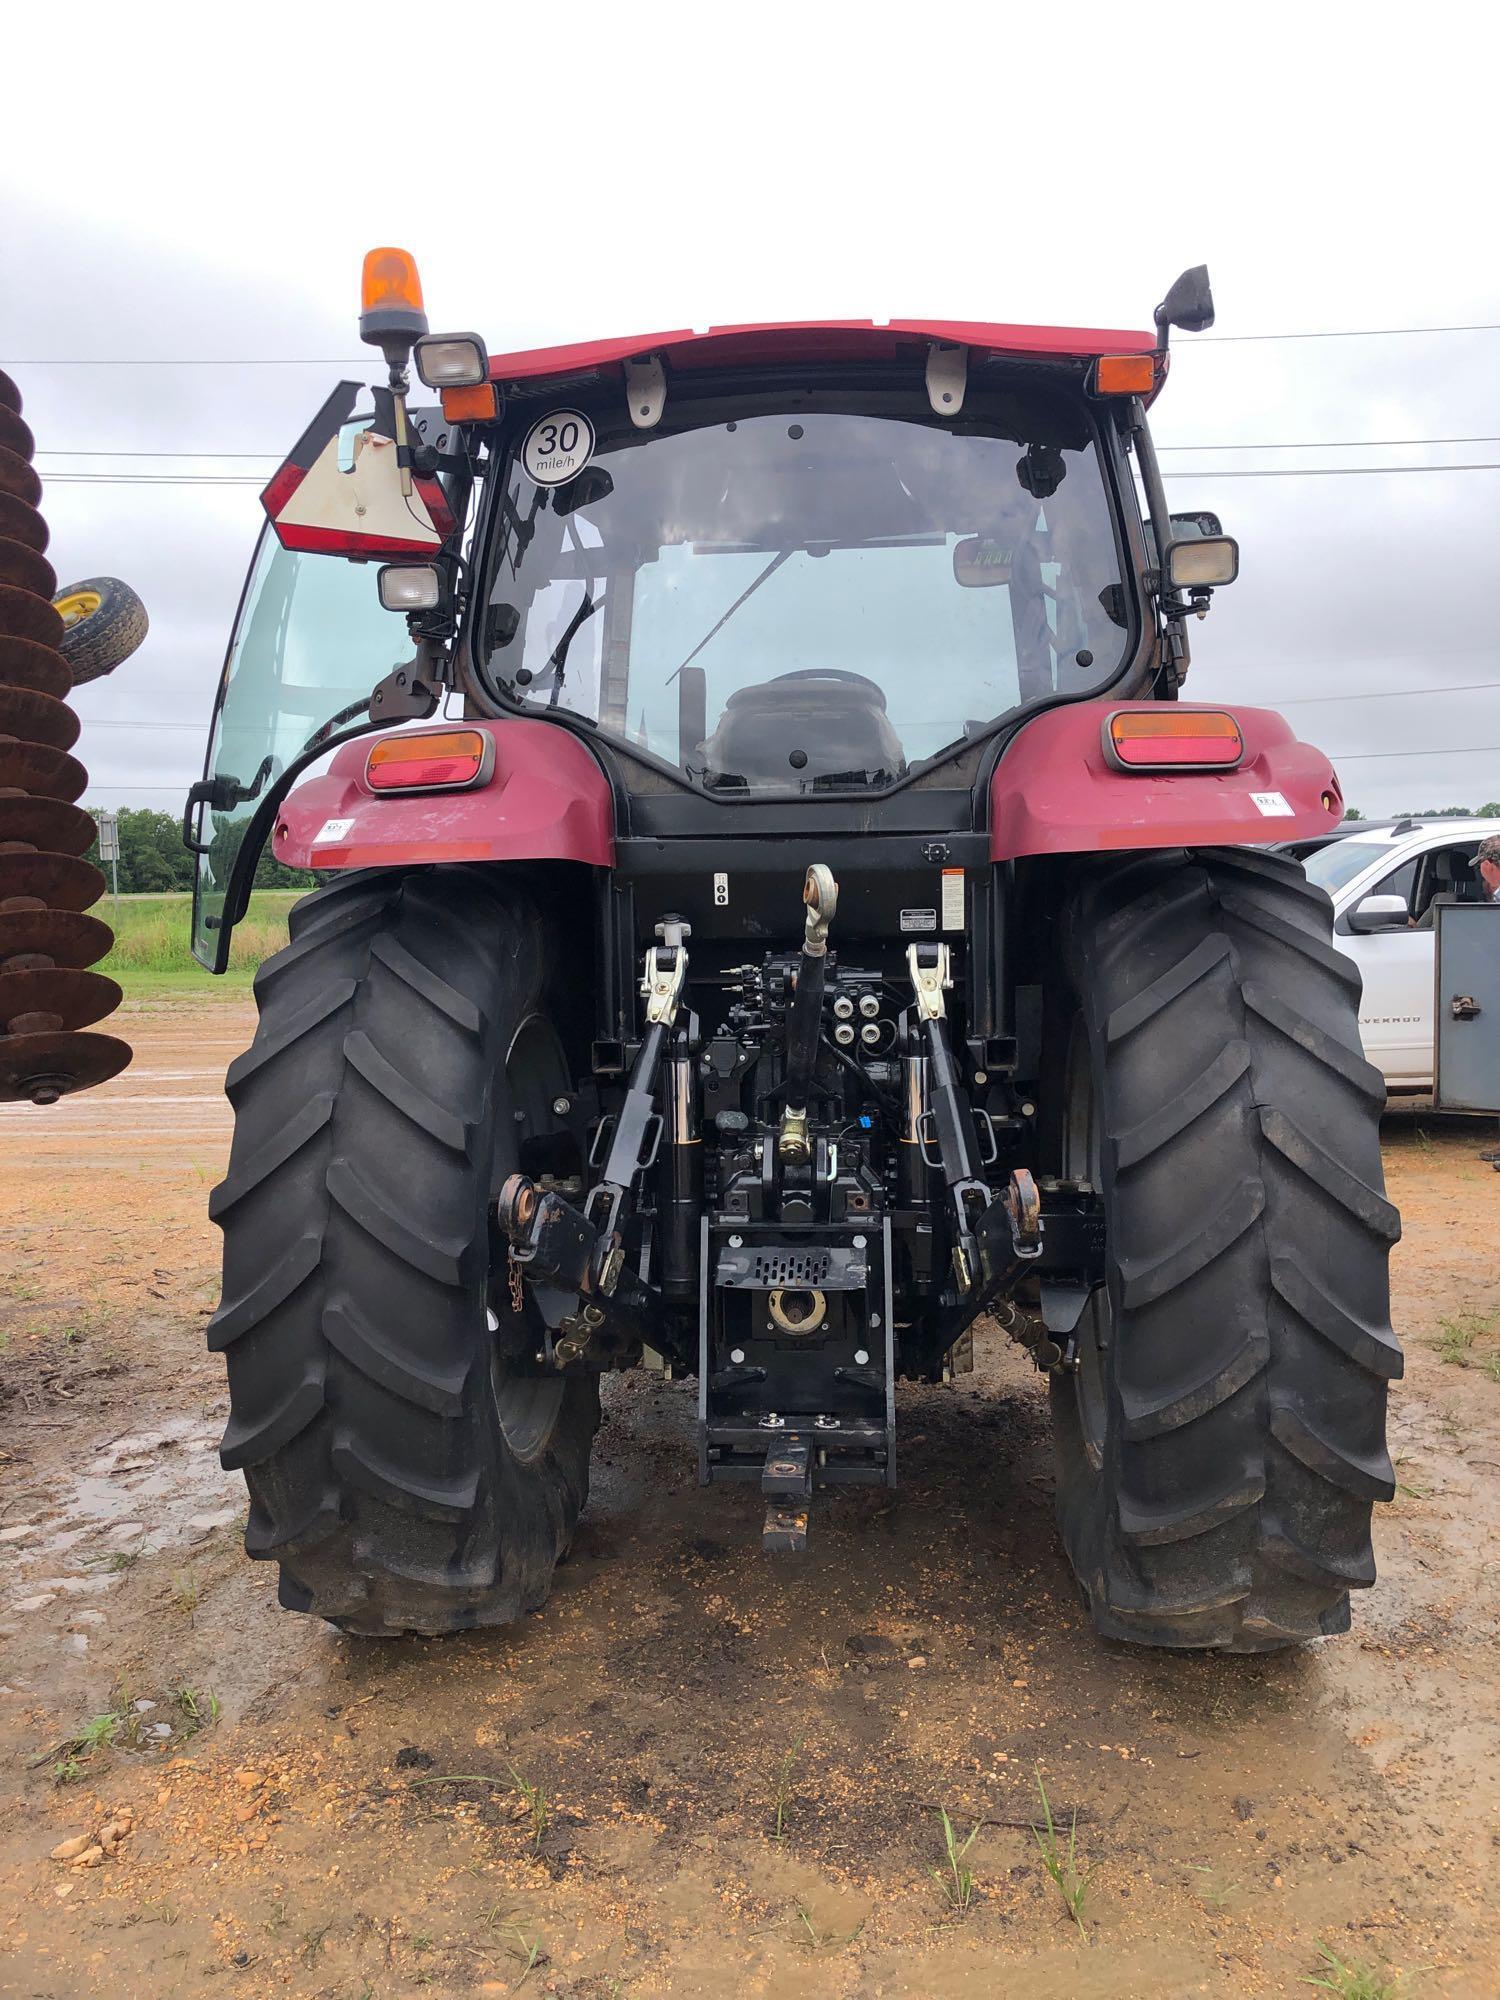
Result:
[[1054, 790], [545, 799]]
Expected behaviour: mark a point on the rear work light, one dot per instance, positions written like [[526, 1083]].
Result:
[[1169, 739], [433, 760]]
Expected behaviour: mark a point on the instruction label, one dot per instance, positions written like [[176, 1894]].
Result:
[[1273, 805], [330, 830], [919, 920], [953, 899]]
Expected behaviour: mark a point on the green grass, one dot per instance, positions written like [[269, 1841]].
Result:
[[1352, 1981], [1457, 1337], [1061, 1863], [152, 955], [955, 1878]]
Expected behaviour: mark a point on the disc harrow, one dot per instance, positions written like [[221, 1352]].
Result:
[[48, 998]]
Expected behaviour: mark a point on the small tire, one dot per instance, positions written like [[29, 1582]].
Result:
[[1222, 1439], [104, 622], [408, 1465]]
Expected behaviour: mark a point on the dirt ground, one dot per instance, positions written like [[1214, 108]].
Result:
[[737, 1763]]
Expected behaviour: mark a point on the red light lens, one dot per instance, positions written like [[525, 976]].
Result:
[[430, 761], [1170, 738]]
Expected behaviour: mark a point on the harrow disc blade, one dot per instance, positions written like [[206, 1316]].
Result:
[[18, 478], [26, 663], [10, 395], [44, 1068], [38, 718], [23, 615], [32, 767], [20, 523], [25, 569], [76, 999], [15, 434], [66, 937], [60, 881], [47, 824]]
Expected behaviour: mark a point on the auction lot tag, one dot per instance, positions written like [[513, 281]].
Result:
[[1273, 805], [557, 446], [331, 829]]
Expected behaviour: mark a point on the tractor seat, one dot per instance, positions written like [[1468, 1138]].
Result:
[[816, 723]]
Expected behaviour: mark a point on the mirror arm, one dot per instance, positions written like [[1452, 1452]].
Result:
[[1174, 635]]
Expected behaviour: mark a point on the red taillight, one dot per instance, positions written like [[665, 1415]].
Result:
[[1170, 738], [434, 760]]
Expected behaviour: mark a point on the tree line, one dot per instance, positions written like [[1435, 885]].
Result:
[[153, 860]]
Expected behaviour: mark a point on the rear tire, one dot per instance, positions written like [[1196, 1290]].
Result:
[[1223, 1438], [408, 1466]]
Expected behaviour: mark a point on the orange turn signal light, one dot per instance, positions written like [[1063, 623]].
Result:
[[390, 279], [472, 403], [1125, 375], [431, 760], [1171, 739]]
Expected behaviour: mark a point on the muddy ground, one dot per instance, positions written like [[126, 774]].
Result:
[[740, 1761]]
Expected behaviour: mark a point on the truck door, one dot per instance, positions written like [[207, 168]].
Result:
[[1395, 1011], [310, 643]]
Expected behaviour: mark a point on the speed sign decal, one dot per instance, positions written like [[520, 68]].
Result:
[[557, 446]]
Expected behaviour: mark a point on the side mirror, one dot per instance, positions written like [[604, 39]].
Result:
[[1189, 304], [1202, 562], [980, 562], [1379, 913]]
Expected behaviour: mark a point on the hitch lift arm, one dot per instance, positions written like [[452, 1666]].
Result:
[[582, 1250]]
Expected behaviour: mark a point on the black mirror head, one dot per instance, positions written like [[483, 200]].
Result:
[[584, 489], [1189, 304], [1041, 470]]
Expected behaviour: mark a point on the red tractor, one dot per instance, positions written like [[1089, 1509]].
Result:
[[815, 921]]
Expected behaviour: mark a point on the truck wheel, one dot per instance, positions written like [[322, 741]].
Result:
[[104, 622], [1222, 1438], [409, 1467]]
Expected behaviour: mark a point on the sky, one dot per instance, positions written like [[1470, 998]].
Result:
[[183, 217]]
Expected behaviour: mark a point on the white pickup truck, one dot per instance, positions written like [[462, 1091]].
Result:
[[1383, 884]]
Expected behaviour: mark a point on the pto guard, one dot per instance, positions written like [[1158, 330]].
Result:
[[1054, 792], [545, 800]]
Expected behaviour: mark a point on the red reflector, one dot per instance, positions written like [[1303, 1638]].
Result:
[[430, 761], [1170, 738]]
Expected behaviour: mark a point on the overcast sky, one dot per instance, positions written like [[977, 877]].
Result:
[[185, 192]]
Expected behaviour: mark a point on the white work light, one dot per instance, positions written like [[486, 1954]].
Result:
[[452, 360], [409, 587]]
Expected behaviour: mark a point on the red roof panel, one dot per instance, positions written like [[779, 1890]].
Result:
[[815, 340]]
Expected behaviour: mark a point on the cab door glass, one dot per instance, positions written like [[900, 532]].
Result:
[[309, 645]]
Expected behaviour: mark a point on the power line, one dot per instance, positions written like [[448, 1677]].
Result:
[[1328, 471], [1372, 694], [1463, 750], [1326, 444], [1346, 333], [1305, 444], [334, 361], [1209, 472]]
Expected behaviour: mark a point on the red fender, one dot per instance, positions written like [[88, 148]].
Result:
[[1054, 791], [545, 800]]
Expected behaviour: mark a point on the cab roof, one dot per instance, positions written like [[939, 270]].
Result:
[[816, 340]]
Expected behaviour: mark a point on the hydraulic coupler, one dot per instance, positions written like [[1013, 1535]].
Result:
[[805, 1016]]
